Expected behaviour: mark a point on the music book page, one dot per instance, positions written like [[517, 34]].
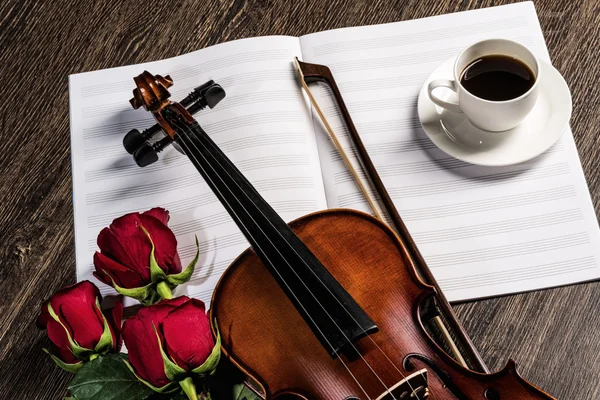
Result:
[[263, 125], [482, 231]]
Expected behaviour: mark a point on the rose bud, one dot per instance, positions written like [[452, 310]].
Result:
[[77, 327], [171, 342], [138, 257]]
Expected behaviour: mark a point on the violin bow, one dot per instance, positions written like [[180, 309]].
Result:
[[310, 73]]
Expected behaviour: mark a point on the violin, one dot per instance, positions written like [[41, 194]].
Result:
[[329, 306]]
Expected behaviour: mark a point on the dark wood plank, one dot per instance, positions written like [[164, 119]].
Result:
[[553, 334]]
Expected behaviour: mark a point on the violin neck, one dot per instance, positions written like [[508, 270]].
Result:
[[314, 292]]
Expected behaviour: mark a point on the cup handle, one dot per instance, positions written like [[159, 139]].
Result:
[[450, 84]]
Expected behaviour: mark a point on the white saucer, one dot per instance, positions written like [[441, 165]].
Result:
[[456, 136]]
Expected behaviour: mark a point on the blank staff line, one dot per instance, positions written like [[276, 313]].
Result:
[[507, 251], [463, 184], [253, 98], [214, 268], [380, 126], [405, 59], [389, 83], [498, 227], [189, 180], [396, 62], [214, 244], [207, 66], [495, 203], [516, 273], [375, 105], [177, 160], [520, 175], [235, 59], [104, 109], [520, 277], [240, 79], [406, 146], [258, 76], [253, 119], [173, 207], [228, 146], [349, 199], [418, 167], [387, 148], [213, 128], [417, 38], [120, 128], [530, 276]]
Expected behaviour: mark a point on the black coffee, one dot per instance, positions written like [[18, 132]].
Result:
[[497, 78]]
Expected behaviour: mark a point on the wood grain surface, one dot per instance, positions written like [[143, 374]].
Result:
[[554, 335]]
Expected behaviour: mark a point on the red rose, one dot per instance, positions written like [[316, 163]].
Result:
[[170, 340], [77, 327], [138, 256]]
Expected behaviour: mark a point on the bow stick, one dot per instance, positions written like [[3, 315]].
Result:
[[309, 73]]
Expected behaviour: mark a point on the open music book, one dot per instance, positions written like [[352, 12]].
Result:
[[483, 231]]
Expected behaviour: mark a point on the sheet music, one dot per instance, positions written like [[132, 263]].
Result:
[[483, 231], [263, 125]]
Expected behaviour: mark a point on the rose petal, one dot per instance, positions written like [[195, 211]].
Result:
[[159, 213], [142, 342], [77, 310], [114, 317], [144, 352], [44, 316], [187, 335], [165, 244], [59, 337], [157, 312], [125, 243], [122, 275]]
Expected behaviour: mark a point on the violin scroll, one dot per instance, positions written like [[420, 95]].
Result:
[[152, 94]]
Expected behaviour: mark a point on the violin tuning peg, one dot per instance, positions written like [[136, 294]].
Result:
[[145, 155], [133, 140], [214, 95], [166, 80], [136, 101]]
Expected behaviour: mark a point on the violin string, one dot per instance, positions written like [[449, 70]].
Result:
[[344, 308], [350, 167], [304, 284], [284, 282]]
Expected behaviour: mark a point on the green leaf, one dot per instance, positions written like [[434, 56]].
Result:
[[105, 344], [185, 275], [210, 364], [241, 391], [67, 367], [156, 273], [178, 395], [107, 378]]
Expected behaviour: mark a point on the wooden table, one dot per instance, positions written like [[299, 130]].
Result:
[[554, 334]]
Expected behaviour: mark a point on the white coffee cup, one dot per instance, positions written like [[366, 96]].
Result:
[[485, 114]]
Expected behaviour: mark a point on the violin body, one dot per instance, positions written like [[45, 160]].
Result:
[[264, 335]]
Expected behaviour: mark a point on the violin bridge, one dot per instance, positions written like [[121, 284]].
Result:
[[413, 386]]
